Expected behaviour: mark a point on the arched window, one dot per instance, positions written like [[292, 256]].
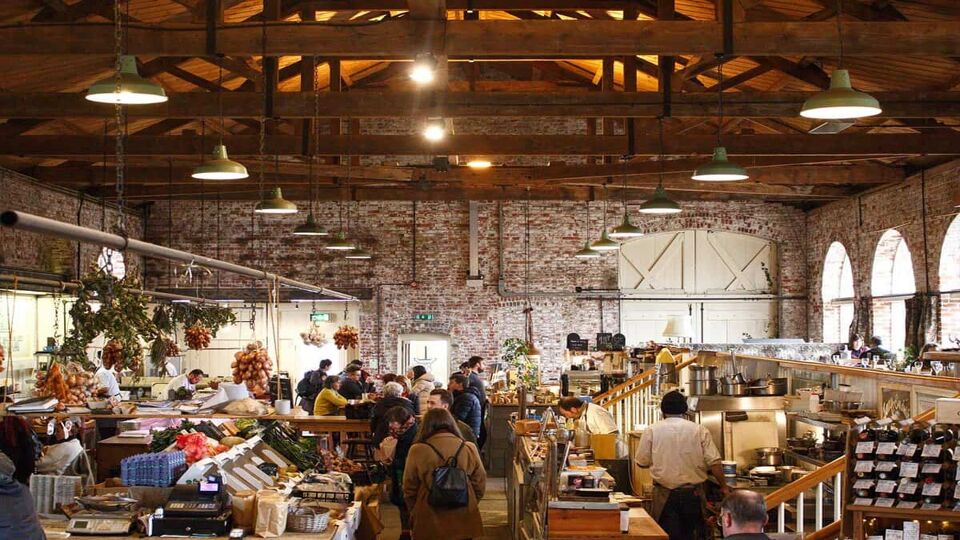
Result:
[[892, 283], [837, 293], [950, 281]]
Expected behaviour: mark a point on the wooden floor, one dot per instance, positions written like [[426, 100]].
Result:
[[493, 508]]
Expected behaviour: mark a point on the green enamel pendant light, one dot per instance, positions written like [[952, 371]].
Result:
[[840, 101], [626, 230], [310, 227], [359, 254], [587, 252], [605, 244], [660, 203], [126, 86], [275, 204], [720, 169], [221, 167], [341, 243]]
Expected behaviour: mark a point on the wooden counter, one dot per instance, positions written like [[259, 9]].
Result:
[[642, 527]]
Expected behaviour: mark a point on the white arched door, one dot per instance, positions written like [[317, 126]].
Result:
[[726, 282]]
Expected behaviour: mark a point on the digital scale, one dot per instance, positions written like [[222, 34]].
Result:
[[100, 523]]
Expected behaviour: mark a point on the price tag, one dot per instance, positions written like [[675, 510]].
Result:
[[862, 420], [863, 466], [908, 487], [884, 422], [928, 537], [956, 493], [931, 489], [893, 534], [931, 506], [886, 486], [906, 504], [931, 468], [885, 466], [861, 501], [958, 476], [865, 447], [885, 502], [866, 483], [907, 449], [931, 450], [886, 448], [909, 470], [907, 422]]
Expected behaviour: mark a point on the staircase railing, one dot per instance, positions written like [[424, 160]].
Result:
[[631, 402], [829, 476]]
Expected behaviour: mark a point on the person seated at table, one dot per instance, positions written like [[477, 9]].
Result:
[[18, 517], [392, 396], [743, 515], [876, 349], [352, 387], [329, 401], [858, 349]]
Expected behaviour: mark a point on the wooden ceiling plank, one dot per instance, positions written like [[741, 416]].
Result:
[[471, 39]]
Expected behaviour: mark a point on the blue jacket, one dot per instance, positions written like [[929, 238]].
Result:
[[17, 516], [466, 407]]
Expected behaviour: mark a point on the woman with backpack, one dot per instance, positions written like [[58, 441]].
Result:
[[443, 481]]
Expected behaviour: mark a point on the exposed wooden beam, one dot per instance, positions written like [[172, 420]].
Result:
[[514, 39], [945, 143], [499, 5], [379, 103]]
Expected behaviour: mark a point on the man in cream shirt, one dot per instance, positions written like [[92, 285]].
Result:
[[679, 454], [596, 419], [187, 380]]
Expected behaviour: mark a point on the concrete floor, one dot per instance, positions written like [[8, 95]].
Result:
[[493, 509]]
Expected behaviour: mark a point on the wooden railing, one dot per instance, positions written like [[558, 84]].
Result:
[[625, 386], [830, 532], [631, 402], [829, 475]]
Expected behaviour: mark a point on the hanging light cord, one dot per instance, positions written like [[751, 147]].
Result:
[[720, 100], [840, 32], [314, 193], [220, 96], [526, 249], [118, 113], [660, 156]]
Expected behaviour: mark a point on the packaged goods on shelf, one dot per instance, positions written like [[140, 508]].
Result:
[[155, 470]]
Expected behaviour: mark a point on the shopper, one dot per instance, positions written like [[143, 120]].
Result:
[[679, 454], [18, 517], [422, 386], [743, 515], [466, 404], [188, 381], [330, 400], [442, 399], [465, 368], [596, 419], [436, 445], [405, 383], [21, 444], [311, 385], [352, 387], [400, 431], [477, 382], [392, 396]]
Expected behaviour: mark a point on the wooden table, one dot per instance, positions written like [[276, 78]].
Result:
[[642, 527]]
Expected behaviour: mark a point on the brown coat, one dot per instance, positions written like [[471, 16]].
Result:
[[429, 523]]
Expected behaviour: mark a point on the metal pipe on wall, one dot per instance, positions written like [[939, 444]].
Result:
[[13, 278], [42, 225]]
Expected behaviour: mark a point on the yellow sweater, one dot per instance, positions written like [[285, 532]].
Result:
[[328, 403]]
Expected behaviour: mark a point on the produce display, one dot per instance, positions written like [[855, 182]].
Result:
[[335, 463], [197, 446], [252, 366], [71, 386], [313, 336], [284, 439], [198, 337], [346, 337]]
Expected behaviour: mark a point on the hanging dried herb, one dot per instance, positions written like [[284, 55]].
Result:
[[167, 317]]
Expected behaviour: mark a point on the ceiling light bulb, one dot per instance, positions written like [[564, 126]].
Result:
[[719, 169], [220, 167], [479, 164], [840, 101], [424, 69], [435, 130], [133, 89]]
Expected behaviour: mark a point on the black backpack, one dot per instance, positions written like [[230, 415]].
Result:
[[450, 487]]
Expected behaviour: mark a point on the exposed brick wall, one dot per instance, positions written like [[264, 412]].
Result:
[[860, 222], [42, 253], [477, 319]]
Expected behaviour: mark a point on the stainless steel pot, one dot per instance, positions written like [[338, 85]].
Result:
[[702, 387], [702, 373], [769, 387], [771, 456], [728, 388]]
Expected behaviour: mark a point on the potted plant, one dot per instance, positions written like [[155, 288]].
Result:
[[516, 354]]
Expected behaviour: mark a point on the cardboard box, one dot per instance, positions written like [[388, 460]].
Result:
[[948, 411]]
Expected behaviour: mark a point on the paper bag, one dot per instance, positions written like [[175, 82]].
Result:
[[244, 509], [272, 510]]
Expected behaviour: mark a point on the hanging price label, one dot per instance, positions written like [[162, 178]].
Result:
[[866, 483], [909, 470], [907, 449], [886, 466], [865, 447], [886, 448], [908, 487], [932, 450], [863, 501], [885, 502], [863, 466], [931, 468], [931, 489], [886, 486], [906, 504]]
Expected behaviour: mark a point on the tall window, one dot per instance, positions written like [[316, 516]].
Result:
[[837, 293], [892, 283], [950, 281]]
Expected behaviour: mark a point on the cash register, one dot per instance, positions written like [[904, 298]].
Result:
[[194, 509]]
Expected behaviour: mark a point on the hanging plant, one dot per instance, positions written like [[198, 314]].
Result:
[[122, 319], [201, 321], [515, 352]]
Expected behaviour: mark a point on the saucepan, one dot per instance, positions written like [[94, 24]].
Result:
[[769, 386]]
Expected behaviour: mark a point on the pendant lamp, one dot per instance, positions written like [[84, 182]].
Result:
[[310, 227], [587, 252], [625, 230], [660, 203], [719, 169], [127, 87], [605, 244], [275, 204], [359, 254], [341, 243], [840, 101], [220, 167]]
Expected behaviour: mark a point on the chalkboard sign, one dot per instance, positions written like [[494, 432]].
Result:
[[618, 342], [285, 389], [604, 341]]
